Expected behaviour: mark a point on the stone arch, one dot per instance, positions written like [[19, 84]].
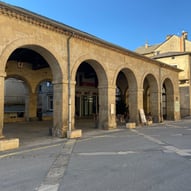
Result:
[[130, 90], [18, 102], [130, 75], [168, 100], [151, 103], [97, 93], [96, 64], [47, 52], [44, 93], [19, 77], [41, 81], [152, 78], [58, 72]]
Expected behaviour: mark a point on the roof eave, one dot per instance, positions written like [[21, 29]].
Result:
[[77, 32]]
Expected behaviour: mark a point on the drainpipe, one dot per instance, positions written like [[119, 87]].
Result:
[[69, 87], [161, 86]]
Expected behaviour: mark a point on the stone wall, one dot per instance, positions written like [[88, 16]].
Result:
[[65, 49]]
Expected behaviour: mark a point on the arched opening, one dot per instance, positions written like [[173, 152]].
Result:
[[45, 100], [168, 100], [122, 110], [33, 67], [151, 98], [15, 101], [86, 95], [126, 96], [34, 64], [146, 97]]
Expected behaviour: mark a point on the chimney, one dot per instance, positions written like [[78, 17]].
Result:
[[183, 38], [146, 45], [185, 35]]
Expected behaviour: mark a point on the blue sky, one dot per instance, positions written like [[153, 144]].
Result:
[[127, 23]]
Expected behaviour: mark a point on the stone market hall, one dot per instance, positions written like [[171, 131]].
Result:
[[69, 75]]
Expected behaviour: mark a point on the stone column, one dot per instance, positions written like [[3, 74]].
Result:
[[2, 85], [73, 89], [60, 115], [135, 104], [107, 111], [27, 101], [32, 114]]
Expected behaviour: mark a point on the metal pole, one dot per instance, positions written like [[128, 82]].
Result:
[[161, 106]]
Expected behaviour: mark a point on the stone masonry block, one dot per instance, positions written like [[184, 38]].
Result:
[[77, 133], [7, 144], [130, 125]]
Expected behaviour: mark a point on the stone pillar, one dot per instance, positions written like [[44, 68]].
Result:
[[177, 108], [60, 116], [73, 89], [2, 85], [27, 101], [135, 104], [107, 111], [32, 109]]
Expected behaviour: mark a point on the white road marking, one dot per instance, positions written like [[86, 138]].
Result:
[[180, 152], [148, 137], [107, 153], [169, 148], [175, 126], [178, 134], [49, 187]]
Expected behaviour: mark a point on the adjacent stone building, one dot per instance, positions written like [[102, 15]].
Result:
[[175, 51], [91, 78]]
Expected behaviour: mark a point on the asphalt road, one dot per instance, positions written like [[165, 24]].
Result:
[[155, 158]]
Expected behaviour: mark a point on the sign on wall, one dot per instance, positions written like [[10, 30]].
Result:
[[142, 116], [112, 109], [177, 106]]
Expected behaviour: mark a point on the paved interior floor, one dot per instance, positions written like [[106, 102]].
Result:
[[29, 133], [38, 132]]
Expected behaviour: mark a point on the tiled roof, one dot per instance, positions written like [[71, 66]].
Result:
[[146, 50]]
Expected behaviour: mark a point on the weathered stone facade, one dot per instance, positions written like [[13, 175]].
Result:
[[175, 51], [64, 49]]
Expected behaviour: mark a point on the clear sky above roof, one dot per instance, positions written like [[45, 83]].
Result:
[[127, 23]]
